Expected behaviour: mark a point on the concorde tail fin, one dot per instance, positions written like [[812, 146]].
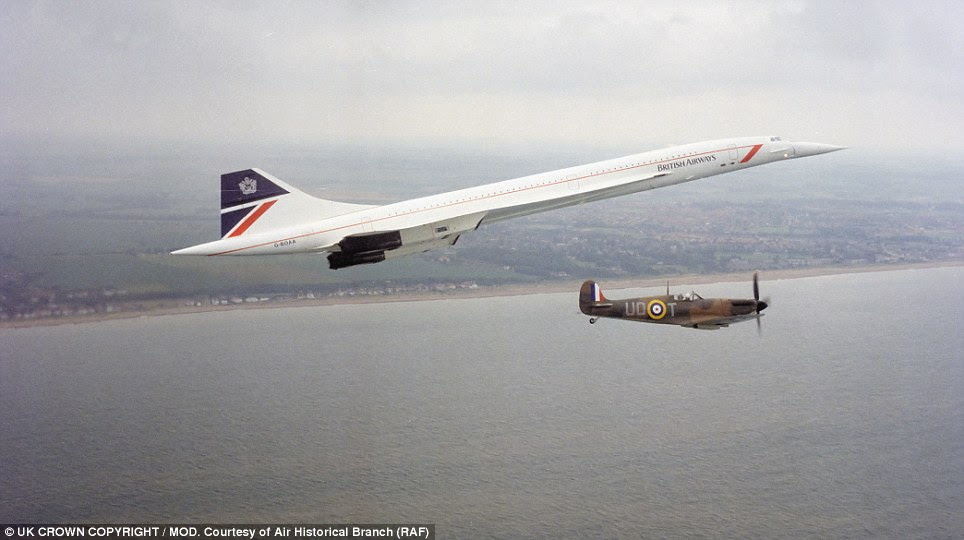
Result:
[[253, 201]]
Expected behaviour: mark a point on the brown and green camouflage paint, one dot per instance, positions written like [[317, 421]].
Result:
[[688, 310]]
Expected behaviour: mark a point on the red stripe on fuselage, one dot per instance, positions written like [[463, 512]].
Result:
[[752, 153], [249, 221]]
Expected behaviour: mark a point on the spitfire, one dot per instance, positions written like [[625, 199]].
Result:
[[688, 310]]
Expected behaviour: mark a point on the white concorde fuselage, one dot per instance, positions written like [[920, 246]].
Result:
[[359, 234]]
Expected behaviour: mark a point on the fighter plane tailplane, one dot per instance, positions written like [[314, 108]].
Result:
[[253, 201]]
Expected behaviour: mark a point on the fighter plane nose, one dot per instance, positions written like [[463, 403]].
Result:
[[760, 306], [803, 149]]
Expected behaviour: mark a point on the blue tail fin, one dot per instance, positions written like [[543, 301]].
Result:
[[248, 195], [247, 186]]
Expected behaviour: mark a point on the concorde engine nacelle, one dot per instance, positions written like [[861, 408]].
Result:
[[368, 248]]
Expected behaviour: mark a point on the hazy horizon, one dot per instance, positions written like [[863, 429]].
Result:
[[620, 74]]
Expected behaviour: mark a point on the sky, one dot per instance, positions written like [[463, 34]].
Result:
[[886, 76]]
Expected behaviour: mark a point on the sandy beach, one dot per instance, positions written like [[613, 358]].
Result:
[[165, 307]]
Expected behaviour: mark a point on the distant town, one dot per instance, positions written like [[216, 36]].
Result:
[[49, 305]]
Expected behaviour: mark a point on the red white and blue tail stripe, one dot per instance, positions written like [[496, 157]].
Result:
[[591, 297], [596, 292]]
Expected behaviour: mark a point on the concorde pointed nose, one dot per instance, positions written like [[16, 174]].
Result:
[[804, 149]]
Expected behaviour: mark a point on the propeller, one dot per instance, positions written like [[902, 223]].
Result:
[[760, 305]]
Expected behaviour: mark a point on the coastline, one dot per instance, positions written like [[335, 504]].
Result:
[[487, 291]]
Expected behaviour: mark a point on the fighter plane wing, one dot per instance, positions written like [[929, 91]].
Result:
[[715, 323]]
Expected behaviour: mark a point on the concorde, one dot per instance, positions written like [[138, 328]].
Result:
[[261, 215]]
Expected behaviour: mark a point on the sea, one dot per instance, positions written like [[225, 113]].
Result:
[[506, 417]]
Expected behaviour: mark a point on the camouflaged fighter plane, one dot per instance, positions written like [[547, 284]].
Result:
[[688, 310]]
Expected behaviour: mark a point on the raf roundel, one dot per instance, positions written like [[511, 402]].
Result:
[[656, 309]]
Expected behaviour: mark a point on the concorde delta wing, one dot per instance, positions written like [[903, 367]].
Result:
[[377, 246]]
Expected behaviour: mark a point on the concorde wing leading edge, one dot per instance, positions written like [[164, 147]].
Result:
[[262, 215]]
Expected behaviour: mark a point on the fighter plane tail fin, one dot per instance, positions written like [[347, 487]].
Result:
[[590, 295], [253, 200]]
